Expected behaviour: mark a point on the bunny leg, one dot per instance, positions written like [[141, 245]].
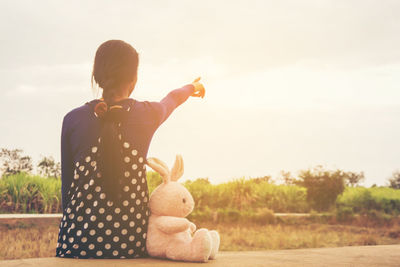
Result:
[[215, 244], [198, 250]]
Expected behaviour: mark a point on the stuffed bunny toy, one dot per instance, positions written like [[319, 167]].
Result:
[[169, 233]]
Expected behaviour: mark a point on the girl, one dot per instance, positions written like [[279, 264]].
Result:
[[104, 145]]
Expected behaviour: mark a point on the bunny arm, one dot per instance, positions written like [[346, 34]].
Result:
[[171, 225]]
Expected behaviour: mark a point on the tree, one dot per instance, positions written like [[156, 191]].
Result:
[[394, 181], [352, 178], [14, 162], [266, 178], [323, 186], [287, 178], [48, 167]]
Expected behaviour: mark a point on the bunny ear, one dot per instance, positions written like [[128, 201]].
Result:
[[159, 167], [177, 170]]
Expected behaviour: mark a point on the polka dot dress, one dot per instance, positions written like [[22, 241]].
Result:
[[93, 226]]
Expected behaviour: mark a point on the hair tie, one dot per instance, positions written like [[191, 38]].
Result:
[[100, 109]]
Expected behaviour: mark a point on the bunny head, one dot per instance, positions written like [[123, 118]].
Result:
[[170, 198]]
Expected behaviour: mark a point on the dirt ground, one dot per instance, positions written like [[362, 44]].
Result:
[[388, 255]]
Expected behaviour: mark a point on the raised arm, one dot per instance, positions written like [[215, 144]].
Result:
[[175, 98]]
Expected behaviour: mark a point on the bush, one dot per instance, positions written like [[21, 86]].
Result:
[[345, 214], [323, 186]]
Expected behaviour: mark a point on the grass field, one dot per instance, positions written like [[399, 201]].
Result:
[[27, 240]]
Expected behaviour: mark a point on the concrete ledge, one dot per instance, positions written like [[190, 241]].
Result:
[[388, 255]]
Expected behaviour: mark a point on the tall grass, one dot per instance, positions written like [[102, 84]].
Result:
[[30, 194], [222, 202]]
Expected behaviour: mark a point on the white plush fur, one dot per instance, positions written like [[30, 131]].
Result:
[[170, 235]]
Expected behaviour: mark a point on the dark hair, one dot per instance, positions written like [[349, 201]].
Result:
[[115, 65]]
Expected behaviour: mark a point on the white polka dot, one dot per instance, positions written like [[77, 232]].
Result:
[[71, 216], [131, 223], [138, 230], [86, 186], [110, 203], [93, 163], [116, 239], [84, 239], [119, 136], [71, 240], [131, 238], [79, 194], [85, 226], [99, 253], [123, 245], [75, 246], [95, 203], [100, 225], [87, 159], [127, 174], [107, 246], [130, 252], [94, 149], [92, 232], [77, 164], [138, 244], [80, 218], [133, 181], [132, 209], [81, 168], [89, 196], [133, 195], [125, 203], [73, 226], [137, 201], [143, 180], [138, 216], [126, 145], [64, 246], [98, 175], [138, 188], [143, 193], [140, 159], [134, 152], [116, 225], [127, 159], [91, 182], [140, 173], [134, 166], [102, 196], [97, 189], [88, 210], [68, 252], [68, 210], [124, 217], [101, 210], [126, 188], [91, 246], [92, 218], [86, 172], [100, 239], [144, 235], [79, 233], [108, 232], [73, 202], [83, 253], [109, 218], [115, 253], [124, 231]]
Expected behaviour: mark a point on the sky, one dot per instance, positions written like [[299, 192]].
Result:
[[289, 84]]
